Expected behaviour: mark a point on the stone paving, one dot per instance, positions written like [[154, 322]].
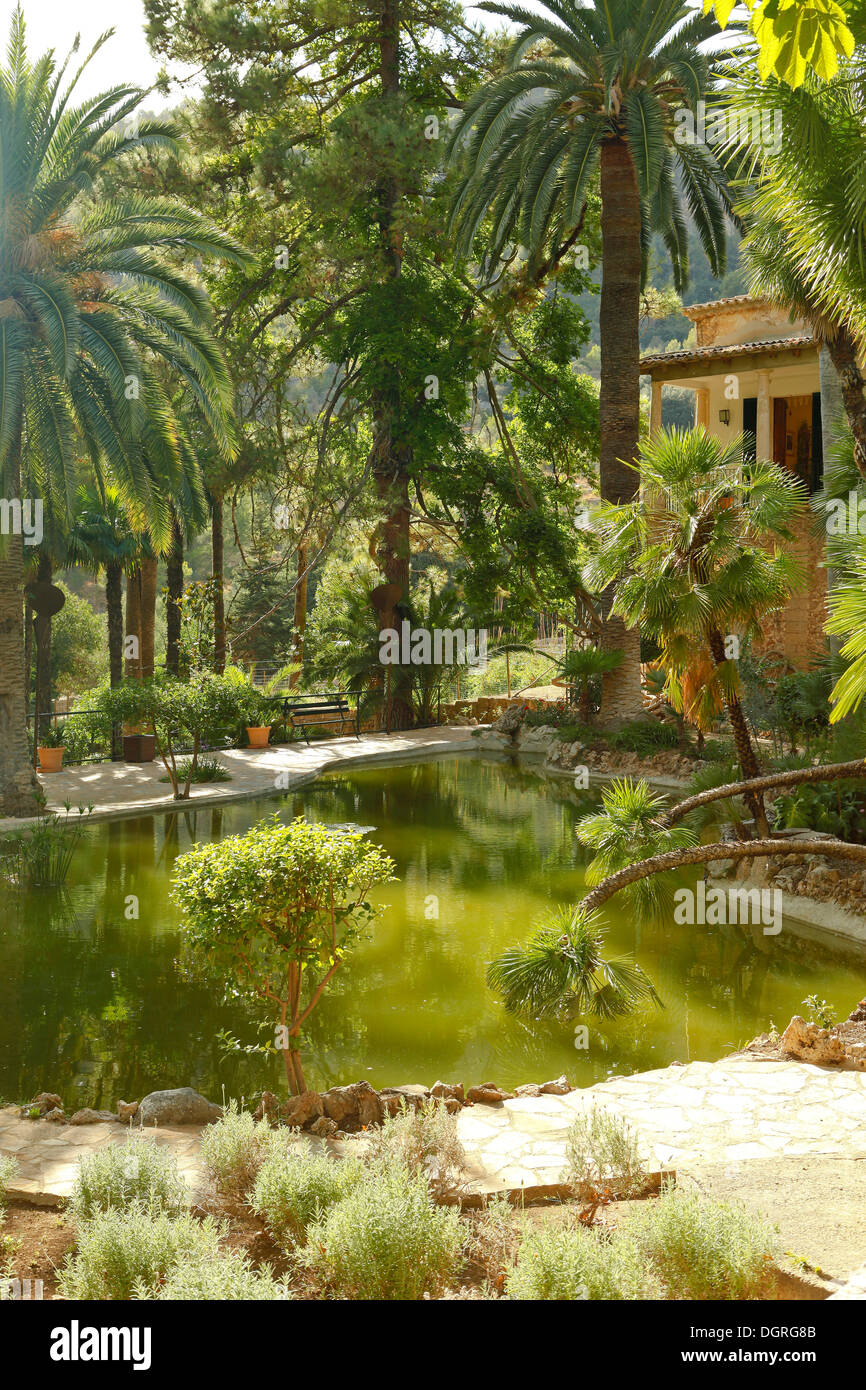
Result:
[[119, 789]]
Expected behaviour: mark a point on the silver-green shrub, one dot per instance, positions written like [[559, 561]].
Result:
[[294, 1189], [230, 1278], [563, 1265], [233, 1150], [121, 1254], [425, 1142], [138, 1172], [704, 1249]]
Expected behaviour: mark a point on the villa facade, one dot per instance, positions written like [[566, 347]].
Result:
[[753, 369]]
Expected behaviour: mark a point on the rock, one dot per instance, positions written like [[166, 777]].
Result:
[[530, 1089], [810, 1043], [302, 1110], [183, 1106], [353, 1107], [444, 1090], [44, 1102], [510, 720], [323, 1127], [57, 1117], [858, 1015], [93, 1117], [559, 1087], [127, 1110], [394, 1098], [487, 1094], [269, 1109]]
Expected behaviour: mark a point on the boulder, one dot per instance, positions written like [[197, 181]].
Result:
[[323, 1128], [302, 1110], [531, 1089], [559, 1087], [269, 1109], [858, 1015], [809, 1043], [487, 1094], [127, 1110], [93, 1117], [444, 1090], [183, 1106], [394, 1098], [44, 1102], [510, 720], [57, 1117], [353, 1107]]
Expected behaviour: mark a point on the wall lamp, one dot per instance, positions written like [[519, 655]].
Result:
[[725, 417]]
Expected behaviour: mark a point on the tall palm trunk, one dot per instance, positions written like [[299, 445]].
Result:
[[174, 587], [390, 458], [845, 356], [18, 782], [148, 614], [42, 627], [619, 396], [300, 618], [114, 618], [218, 573], [133, 622], [746, 755]]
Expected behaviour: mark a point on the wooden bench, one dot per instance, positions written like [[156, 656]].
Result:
[[326, 710]]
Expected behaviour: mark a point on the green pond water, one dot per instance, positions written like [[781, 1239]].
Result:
[[99, 1008]]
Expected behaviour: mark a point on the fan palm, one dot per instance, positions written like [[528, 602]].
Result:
[[562, 971], [584, 665], [598, 88], [626, 830], [697, 560], [91, 298]]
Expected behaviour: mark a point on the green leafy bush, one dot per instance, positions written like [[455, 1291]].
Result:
[[203, 770], [121, 1254], [8, 1169], [292, 1190], [139, 1173], [602, 1152], [387, 1240], [230, 1278], [233, 1150], [644, 737], [563, 1265], [704, 1249]]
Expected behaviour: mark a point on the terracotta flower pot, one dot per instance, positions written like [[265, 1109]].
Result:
[[259, 735], [51, 759]]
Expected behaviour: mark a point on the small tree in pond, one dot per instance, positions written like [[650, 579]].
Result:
[[274, 912]]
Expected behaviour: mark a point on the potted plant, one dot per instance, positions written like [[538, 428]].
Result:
[[51, 749]]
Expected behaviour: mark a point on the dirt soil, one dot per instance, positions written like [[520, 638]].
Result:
[[34, 1242]]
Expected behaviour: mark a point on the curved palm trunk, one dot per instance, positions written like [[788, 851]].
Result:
[[217, 541], [114, 618], [619, 396], [746, 755], [174, 585], [18, 784]]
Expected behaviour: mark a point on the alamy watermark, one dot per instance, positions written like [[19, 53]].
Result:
[[442, 647], [726, 126], [22, 517], [715, 906]]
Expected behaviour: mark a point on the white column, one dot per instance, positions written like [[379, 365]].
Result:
[[764, 425], [702, 407]]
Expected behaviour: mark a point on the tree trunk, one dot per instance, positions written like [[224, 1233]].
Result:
[[174, 585], [746, 755], [845, 358], [114, 618], [218, 572], [133, 623], [44, 575], [18, 784], [300, 618], [792, 777], [619, 396], [390, 457], [148, 614]]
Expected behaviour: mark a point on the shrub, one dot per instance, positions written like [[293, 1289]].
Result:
[[292, 1190], [8, 1169], [121, 1254], [139, 1173], [385, 1241], [229, 1278], [561, 1265], [644, 737], [704, 1249], [492, 1241], [425, 1142], [233, 1150], [202, 770], [602, 1152]]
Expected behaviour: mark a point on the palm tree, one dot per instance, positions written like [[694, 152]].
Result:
[[91, 297], [697, 561], [605, 87], [627, 829], [562, 971], [584, 665]]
